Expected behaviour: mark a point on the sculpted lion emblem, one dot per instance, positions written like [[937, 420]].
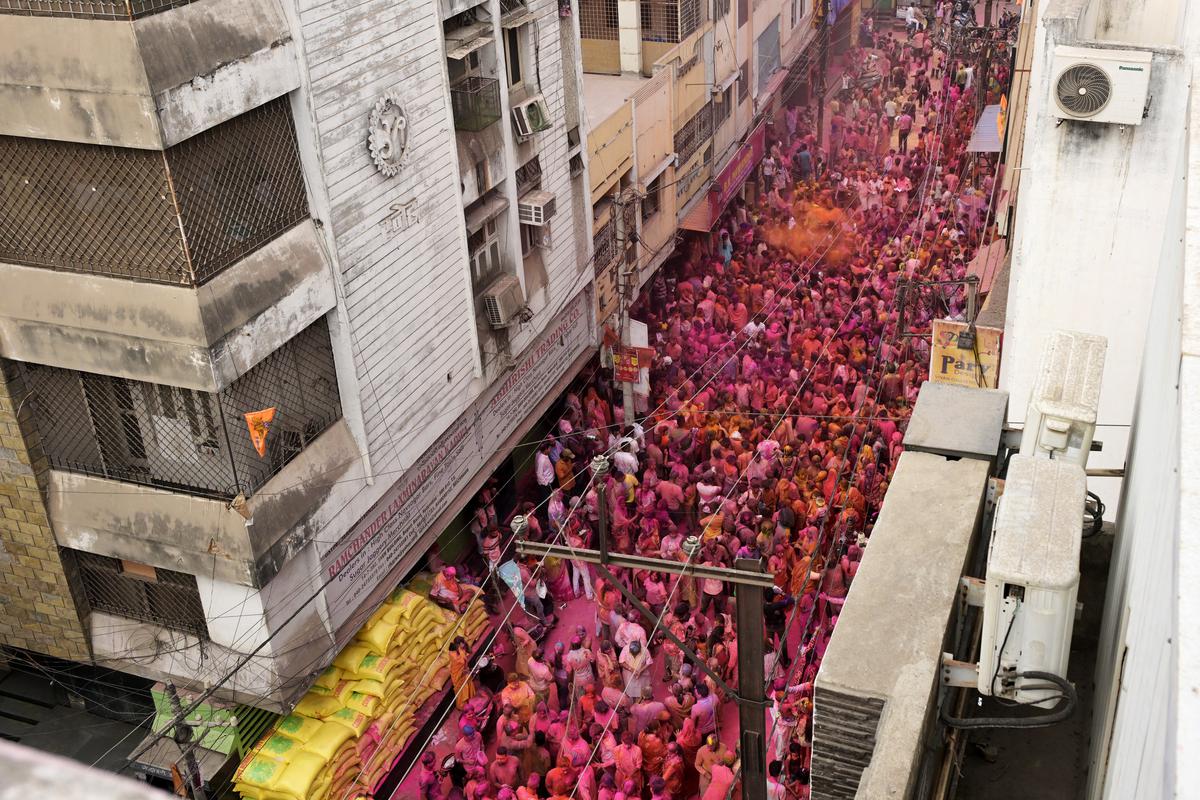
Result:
[[388, 134]]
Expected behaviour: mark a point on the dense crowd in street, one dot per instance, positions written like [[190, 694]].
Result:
[[778, 398]]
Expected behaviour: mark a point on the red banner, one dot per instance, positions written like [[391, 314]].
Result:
[[626, 365], [739, 168]]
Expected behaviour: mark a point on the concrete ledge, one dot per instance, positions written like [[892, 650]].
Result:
[[199, 338], [888, 641], [147, 84], [199, 535]]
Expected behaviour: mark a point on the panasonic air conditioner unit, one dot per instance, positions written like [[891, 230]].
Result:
[[1061, 420], [1093, 85], [535, 207], [531, 116], [503, 300], [1032, 580]]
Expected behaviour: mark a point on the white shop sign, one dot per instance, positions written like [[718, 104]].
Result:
[[368, 553]]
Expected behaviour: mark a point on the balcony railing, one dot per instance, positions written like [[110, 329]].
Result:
[[88, 9], [164, 597], [476, 103], [180, 216], [185, 440]]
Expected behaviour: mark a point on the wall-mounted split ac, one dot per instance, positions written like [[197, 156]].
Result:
[[1093, 85]]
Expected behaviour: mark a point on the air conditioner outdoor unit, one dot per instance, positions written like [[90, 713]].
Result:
[[531, 116], [1061, 420], [503, 300], [535, 207], [1032, 580], [1095, 85]]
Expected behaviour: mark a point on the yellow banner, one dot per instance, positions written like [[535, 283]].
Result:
[[951, 362]]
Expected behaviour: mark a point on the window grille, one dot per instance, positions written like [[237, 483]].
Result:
[[182, 439], [694, 133], [118, 211], [166, 598], [605, 246], [598, 19], [529, 176], [89, 9], [652, 202], [670, 20]]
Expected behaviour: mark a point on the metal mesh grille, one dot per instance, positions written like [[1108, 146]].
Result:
[[239, 186], [183, 439], [670, 20], [694, 133], [89, 208], [604, 245], [88, 9], [168, 598], [111, 210], [598, 19]]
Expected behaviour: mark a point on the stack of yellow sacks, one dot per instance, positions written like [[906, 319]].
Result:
[[343, 736]]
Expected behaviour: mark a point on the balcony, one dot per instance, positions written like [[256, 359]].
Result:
[[89, 9], [180, 439], [476, 103]]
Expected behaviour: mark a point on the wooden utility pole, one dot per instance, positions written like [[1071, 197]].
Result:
[[749, 582]]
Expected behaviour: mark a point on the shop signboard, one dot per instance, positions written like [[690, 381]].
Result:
[[368, 557], [953, 358], [737, 171]]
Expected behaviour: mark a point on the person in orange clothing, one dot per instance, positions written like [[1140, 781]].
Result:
[[518, 695], [459, 657]]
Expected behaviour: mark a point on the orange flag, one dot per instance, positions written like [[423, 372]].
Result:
[[259, 423]]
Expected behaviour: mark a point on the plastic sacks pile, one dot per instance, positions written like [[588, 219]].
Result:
[[346, 733]]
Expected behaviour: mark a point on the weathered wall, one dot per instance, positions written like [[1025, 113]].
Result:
[[199, 338], [1091, 225], [39, 609]]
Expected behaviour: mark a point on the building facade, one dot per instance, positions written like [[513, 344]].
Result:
[[367, 220]]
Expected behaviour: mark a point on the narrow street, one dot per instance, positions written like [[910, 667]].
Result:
[[778, 398]]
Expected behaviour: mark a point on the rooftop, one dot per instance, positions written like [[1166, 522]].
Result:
[[604, 94]]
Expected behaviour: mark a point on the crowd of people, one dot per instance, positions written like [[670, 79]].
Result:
[[778, 398]]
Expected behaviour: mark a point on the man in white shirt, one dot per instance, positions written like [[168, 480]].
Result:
[[624, 459], [543, 470]]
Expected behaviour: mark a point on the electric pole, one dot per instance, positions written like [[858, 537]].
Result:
[[749, 582], [183, 738], [820, 15], [626, 202]]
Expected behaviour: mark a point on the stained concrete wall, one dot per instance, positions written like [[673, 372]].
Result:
[[200, 338], [39, 606], [147, 84]]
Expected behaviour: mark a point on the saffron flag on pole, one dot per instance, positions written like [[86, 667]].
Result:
[[259, 423]]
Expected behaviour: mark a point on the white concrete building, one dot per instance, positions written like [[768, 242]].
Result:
[[1106, 242], [310, 216]]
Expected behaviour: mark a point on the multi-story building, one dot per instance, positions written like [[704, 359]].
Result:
[[369, 217], [675, 90]]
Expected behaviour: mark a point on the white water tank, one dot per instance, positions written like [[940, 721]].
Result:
[[1061, 421], [1032, 579]]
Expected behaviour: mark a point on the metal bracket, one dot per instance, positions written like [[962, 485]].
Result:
[[972, 590], [960, 674]]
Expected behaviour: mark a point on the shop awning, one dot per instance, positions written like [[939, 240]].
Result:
[[986, 136], [697, 216], [739, 168], [987, 263]]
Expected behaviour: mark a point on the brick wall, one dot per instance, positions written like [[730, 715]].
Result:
[[40, 611]]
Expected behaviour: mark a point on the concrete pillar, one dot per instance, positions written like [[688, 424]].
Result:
[[40, 613], [629, 21]]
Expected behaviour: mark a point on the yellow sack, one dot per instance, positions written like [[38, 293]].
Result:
[[356, 721], [373, 688], [350, 657], [378, 637], [327, 741], [301, 776], [279, 747], [297, 727], [246, 790], [259, 770], [375, 667], [318, 706], [367, 704], [329, 678]]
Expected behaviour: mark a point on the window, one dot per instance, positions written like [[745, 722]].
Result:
[[529, 176], [723, 108], [768, 54], [694, 133], [720, 8], [140, 591], [534, 237], [576, 165], [797, 12], [743, 83], [743, 12], [652, 202], [483, 247], [512, 56]]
